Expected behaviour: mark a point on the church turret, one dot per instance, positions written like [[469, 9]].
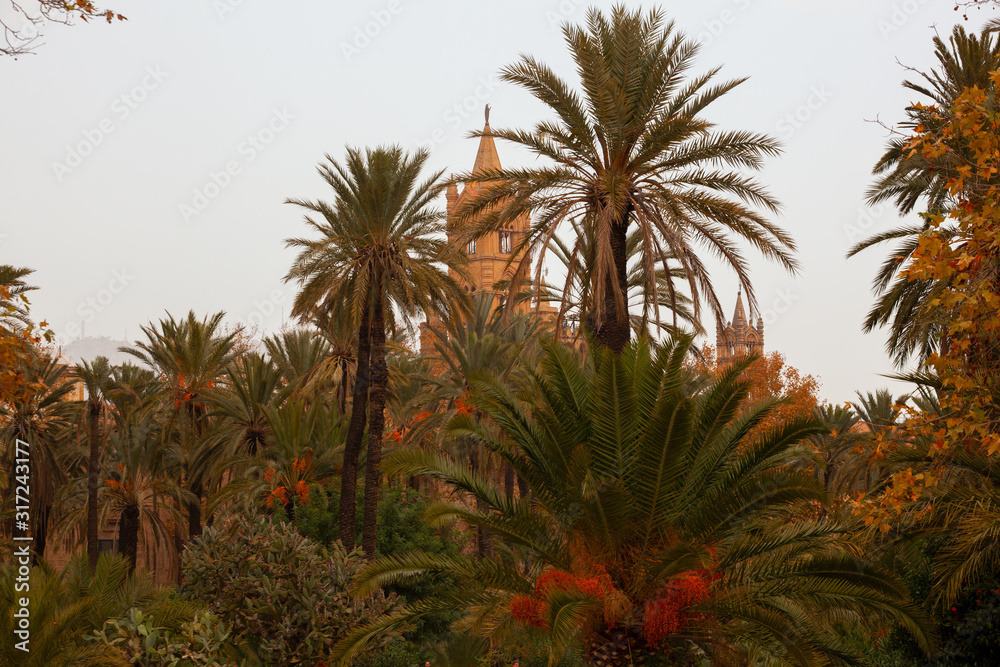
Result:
[[739, 337]]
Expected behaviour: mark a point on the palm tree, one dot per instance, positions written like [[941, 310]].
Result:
[[13, 314], [640, 294], [137, 492], [304, 448], [486, 343], [190, 356], [67, 607], [377, 257], [907, 178], [655, 525], [96, 377], [239, 404], [629, 149], [43, 419], [310, 366]]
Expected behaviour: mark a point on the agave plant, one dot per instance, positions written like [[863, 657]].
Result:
[[656, 523]]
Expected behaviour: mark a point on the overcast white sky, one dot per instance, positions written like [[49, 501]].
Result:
[[111, 134]]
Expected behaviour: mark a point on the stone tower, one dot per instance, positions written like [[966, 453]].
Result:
[[739, 338], [489, 255]]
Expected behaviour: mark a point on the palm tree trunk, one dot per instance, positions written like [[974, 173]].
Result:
[[342, 389], [484, 541], [614, 331], [355, 431], [41, 533], [128, 535], [93, 467], [194, 514], [376, 426]]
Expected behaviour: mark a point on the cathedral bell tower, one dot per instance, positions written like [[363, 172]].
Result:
[[739, 338], [488, 257]]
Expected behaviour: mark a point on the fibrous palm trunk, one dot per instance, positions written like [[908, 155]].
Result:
[[355, 432], [613, 331], [93, 468], [194, 514], [376, 425], [128, 535]]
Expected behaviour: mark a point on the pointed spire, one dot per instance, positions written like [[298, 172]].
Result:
[[740, 316], [487, 157]]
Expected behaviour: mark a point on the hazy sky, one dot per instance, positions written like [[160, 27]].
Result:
[[143, 165]]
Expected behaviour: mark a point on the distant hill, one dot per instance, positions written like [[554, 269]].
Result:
[[87, 349]]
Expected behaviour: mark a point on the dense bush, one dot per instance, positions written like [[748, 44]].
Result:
[[400, 529], [201, 642], [281, 593]]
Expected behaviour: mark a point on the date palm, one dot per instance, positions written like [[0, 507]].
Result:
[[913, 182], [96, 378], [239, 403], [190, 355], [485, 343], [657, 524], [631, 149], [304, 447], [646, 303], [13, 314], [378, 257], [137, 492], [43, 419]]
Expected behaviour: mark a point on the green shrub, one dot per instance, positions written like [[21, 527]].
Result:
[[401, 528], [201, 642], [397, 654], [280, 592]]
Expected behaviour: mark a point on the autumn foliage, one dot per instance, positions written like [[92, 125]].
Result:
[[771, 377]]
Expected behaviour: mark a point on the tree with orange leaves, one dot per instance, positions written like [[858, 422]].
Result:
[[770, 378]]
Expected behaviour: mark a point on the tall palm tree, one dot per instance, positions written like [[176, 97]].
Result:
[[239, 404], [310, 366], [630, 148], [95, 377], [138, 491], [655, 525], [907, 178], [644, 311], [486, 343], [378, 256], [190, 355], [305, 447], [44, 420]]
